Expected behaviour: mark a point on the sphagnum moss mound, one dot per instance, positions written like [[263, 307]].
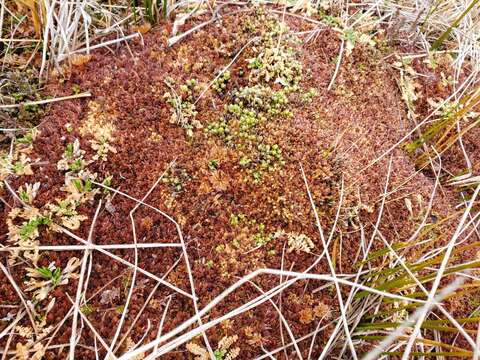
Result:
[[224, 163]]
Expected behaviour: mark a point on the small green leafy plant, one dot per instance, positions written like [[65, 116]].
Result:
[[30, 229], [54, 275]]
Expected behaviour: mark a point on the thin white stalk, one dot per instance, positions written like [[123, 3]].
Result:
[[438, 278], [476, 353], [10, 329], [91, 247], [332, 271], [101, 45], [283, 320], [337, 67], [425, 291], [86, 254], [312, 343], [296, 276], [2, 14], [283, 348], [46, 101], [160, 326], [418, 126], [280, 297], [95, 332], [224, 69], [366, 252], [375, 353], [134, 234], [12, 324], [125, 262], [20, 295], [184, 249], [132, 325]]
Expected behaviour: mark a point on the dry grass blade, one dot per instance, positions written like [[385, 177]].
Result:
[[332, 270], [80, 287], [47, 101]]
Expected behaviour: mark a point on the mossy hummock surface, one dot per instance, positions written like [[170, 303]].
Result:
[[229, 145]]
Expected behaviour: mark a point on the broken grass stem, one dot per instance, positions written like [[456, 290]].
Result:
[[106, 43], [46, 101]]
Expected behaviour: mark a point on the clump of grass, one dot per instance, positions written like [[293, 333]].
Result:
[[442, 134], [437, 43]]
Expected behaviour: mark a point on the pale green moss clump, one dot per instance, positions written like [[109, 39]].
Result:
[[220, 84], [274, 72]]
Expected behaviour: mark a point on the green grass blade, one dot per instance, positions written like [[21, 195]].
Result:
[[447, 32]]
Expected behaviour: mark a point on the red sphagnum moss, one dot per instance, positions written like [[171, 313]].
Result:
[[233, 180]]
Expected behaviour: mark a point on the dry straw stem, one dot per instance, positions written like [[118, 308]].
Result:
[[132, 282], [446, 139], [80, 285], [46, 101], [366, 252], [21, 296], [179, 232], [458, 90], [10, 330], [110, 354], [295, 276], [425, 291], [438, 278], [62, 44], [91, 247], [103, 44], [283, 320], [332, 270], [125, 262], [137, 317], [160, 326], [268, 295], [375, 353], [37, 11], [337, 67]]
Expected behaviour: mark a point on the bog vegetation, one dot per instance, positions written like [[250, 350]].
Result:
[[239, 180]]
